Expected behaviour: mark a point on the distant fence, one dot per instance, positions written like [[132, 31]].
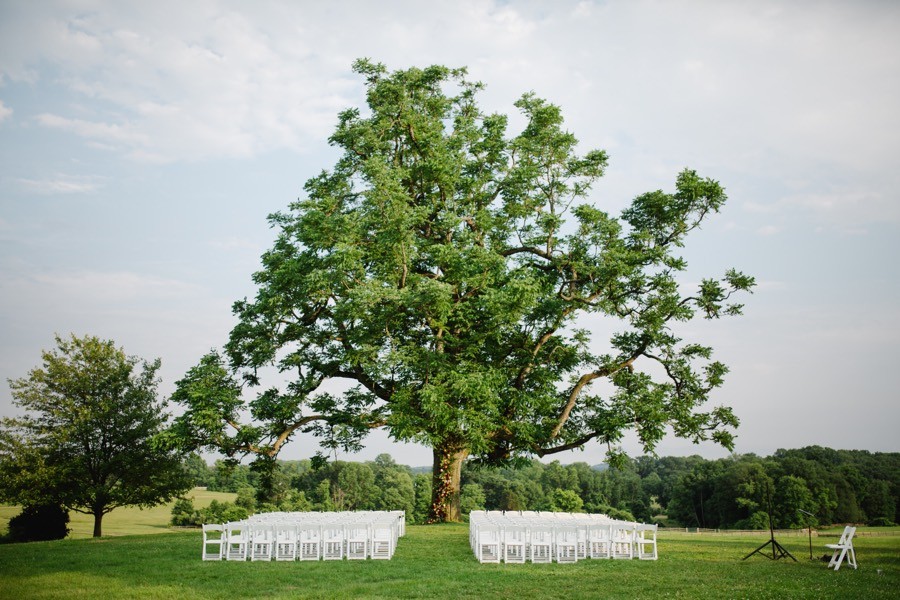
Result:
[[701, 530], [778, 532]]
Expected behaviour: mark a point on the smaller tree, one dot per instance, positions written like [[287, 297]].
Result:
[[88, 441]]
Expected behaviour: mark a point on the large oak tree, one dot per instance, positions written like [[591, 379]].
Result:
[[454, 275]]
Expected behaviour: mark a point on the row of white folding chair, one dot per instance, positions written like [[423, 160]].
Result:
[[540, 543], [359, 539], [491, 533]]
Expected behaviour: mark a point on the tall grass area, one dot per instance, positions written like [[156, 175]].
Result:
[[126, 520], [436, 562]]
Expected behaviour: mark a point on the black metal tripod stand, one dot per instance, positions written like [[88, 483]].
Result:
[[778, 551]]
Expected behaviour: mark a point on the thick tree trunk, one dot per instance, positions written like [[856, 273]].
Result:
[[98, 522], [445, 484]]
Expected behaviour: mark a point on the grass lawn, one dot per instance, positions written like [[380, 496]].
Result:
[[435, 562], [126, 520]]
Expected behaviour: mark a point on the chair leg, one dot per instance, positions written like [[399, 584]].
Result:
[[837, 564]]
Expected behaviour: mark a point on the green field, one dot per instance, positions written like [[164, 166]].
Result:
[[435, 562], [126, 521]]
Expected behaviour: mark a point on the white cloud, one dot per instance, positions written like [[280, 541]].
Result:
[[106, 288], [62, 184], [768, 230], [775, 81], [101, 131], [5, 111], [841, 203]]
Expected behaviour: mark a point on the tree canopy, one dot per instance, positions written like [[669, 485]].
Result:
[[453, 275], [88, 440]]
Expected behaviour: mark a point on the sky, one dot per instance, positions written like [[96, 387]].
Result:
[[143, 144]]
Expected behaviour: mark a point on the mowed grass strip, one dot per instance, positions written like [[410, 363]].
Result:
[[436, 562]]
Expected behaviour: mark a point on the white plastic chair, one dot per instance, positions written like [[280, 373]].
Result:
[[487, 543], [213, 541], [565, 544], [599, 540], [515, 543], [541, 543], [400, 516], [262, 541], [309, 541], [285, 541], [356, 536], [237, 540], [332, 541], [622, 538], [844, 548], [644, 538], [583, 551], [384, 539]]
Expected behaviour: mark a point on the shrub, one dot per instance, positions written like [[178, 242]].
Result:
[[882, 522], [296, 501], [621, 514], [566, 501], [222, 512], [184, 514], [246, 498], [39, 523]]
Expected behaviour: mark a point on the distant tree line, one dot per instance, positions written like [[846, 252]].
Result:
[[812, 485], [809, 486]]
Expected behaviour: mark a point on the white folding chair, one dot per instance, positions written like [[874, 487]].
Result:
[[400, 516], [565, 543], [644, 538], [384, 538], [213, 541], [515, 542], [262, 541], [285, 541], [237, 539], [332, 541], [599, 540], [844, 548], [309, 541], [583, 551], [622, 540], [356, 536], [541, 543], [487, 544]]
